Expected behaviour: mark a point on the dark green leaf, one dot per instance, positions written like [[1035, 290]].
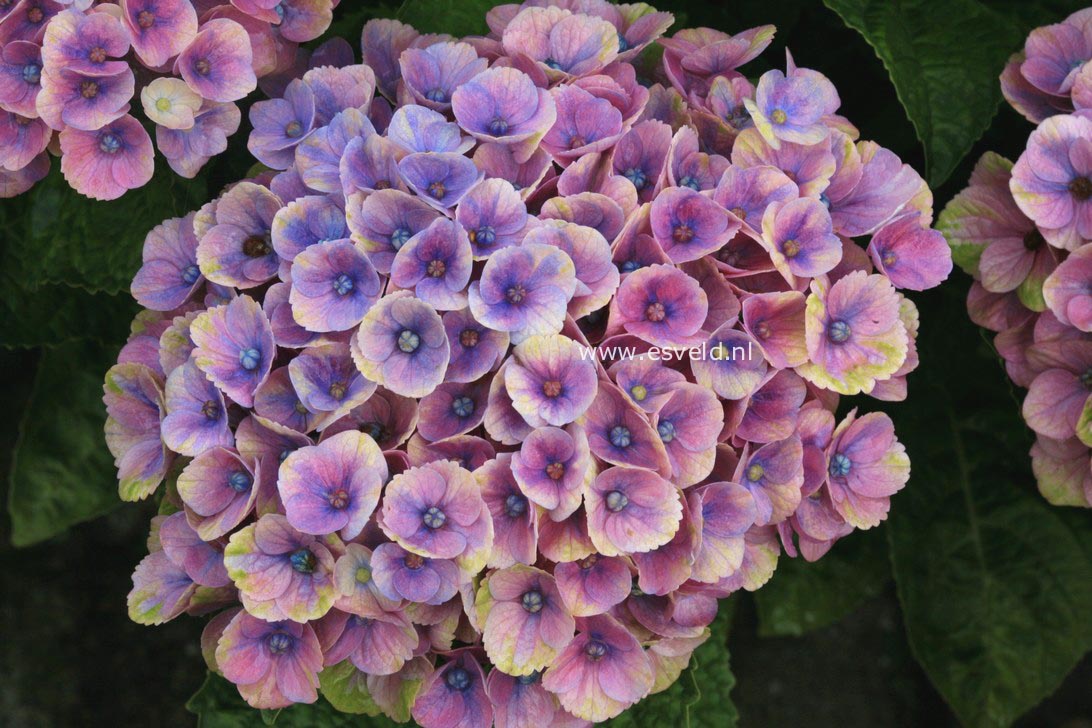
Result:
[[54, 314], [801, 596], [702, 694], [995, 585], [61, 471], [454, 17], [944, 60]]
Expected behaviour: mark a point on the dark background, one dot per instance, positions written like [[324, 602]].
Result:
[[69, 655]]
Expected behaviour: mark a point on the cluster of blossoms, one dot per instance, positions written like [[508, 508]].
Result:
[[475, 403], [1024, 231], [74, 67]]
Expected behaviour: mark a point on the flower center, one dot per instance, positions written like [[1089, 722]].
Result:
[[655, 312], [250, 358], [551, 63], [89, 89], [202, 66], [163, 104], [666, 430], [303, 561], [790, 248], [363, 575], [462, 406], [616, 501], [484, 236], [755, 473], [840, 466], [381, 184], [531, 679], [682, 234], [436, 268], [637, 177], [300, 407], [35, 15], [293, 129], [436, 189], [278, 642], [240, 482], [32, 73], [256, 246], [515, 505], [338, 499], [498, 126], [576, 141], [413, 562], [337, 390], [590, 561], [629, 266], [532, 601], [1086, 379], [1034, 240], [145, 19], [433, 518], [457, 679], [620, 437], [555, 471], [516, 293], [97, 54], [691, 182], [551, 388], [779, 116], [1081, 188], [839, 332], [210, 409], [374, 430], [638, 392], [408, 341], [437, 95], [762, 330], [468, 338], [595, 650], [399, 238], [343, 284], [109, 143]]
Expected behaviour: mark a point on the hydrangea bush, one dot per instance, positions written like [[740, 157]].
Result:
[[1024, 231], [509, 365], [71, 70]]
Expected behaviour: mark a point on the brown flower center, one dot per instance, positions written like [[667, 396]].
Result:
[[655, 312], [146, 19], [682, 234], [1081, 188], [338, 498], [256, 246], [469, 338], [89, 89], [551, 388], [436, 269], [1034, 240], [202, 66], [790, 248], [555, 470], [97, 55]]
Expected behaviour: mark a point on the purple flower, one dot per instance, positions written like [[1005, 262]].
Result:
[[587, 209], [475, 349], [596, 278], [196, 415], [1057, 402], [453, 408], [333, 486], [307, 221], [912, 256], [169, 276], [809, 167], [729, 363], [454, 695], [503, 106], [1054, 54], [379, 643], [594, 584], [385, 220], [774, 474], [420, 129], [274, 663], [885, 187], [689, 424], [552, 467], [551, 381], [436, 264], [493, 215], [775, 321], [188, 150], [515, 520], [440, 178], [646, 381], [524, 290], [339, 89], [521, 702], [159, 29], [727, 510], [1052, 180], [234, 347], [866, 466], [436, 510], [104, 164], [368, 164], [237, 250], [386, 417], [640, 156], [1067, 292], [360, 595], [499, 161], [563, 43], [402, 346], [603, 671], [84, 44], [433, 73], [619, 433], [279, 125], [382, 42], [23, 139], [20, 77], [27, 19], [276, 399], [134, 406], [584, 124], [400, 574], [326, 379], [162, 590], [202, 561], [631, 510], [791, 107], [661, 305], [218, 488], [218, 63], [772, 411], [333, 286], [281, 573], [799, 236], [688, 225], [318, 157], [524, 621]]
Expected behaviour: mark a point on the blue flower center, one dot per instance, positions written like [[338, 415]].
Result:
[[437, 189], [303, 561], [595, 650], [343, 284], [824, 199], [280, 10], [374, 430], [532, 601], [531, 679], [240, 482], [463, 406], [211, 409], [457, 679], [515, 505], [1086, 379], [109, 143], [189, 274], [485, 235], [293, 129], [620, 436], [551, 63], [616, 501], [515, 293], [666, 430], [839, 332], [629, 266], [408, 341], [284, 455], [637, 176], [840, 465], [498, 126], [250, 358], [623, 44], [691, 182], [278, 642], [433, 518], [437, 94], [399, 238], [32, 73]]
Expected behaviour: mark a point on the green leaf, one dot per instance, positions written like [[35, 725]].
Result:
[[346, 688], [995, 584], [454, 17], [61, 471], [702, 694], [944, 60], [56, 314], [802, 597], [217, 704]]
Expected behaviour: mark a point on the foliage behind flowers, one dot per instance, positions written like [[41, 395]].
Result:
[[76, 67], [1024, 232], [406, 388]]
